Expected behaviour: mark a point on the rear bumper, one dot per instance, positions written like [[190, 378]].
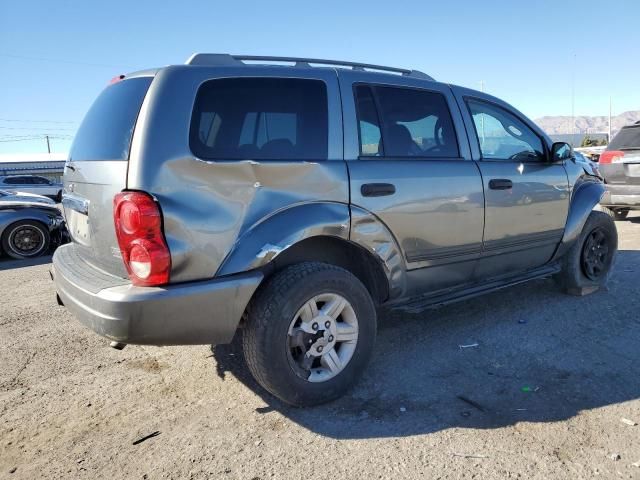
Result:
[[621, 196], [194, 313]]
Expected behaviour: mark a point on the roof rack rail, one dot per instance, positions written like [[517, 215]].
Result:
[[225, 59]]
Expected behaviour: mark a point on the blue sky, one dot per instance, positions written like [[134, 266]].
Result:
[[57, 56]]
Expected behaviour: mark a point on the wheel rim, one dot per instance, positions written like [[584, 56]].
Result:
[[26, 240], [595, 254], [322, 337]]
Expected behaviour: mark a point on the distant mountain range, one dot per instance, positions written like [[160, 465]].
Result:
[[554, 125]]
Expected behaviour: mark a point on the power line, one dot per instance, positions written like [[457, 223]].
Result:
[[47, 129], [31, 139], [34, 121]]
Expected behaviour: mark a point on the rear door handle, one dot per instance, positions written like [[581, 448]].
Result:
[[500, 184], [377, 189]]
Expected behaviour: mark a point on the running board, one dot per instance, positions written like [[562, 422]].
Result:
[[428, 301]]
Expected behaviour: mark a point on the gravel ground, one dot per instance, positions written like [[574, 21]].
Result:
[[542, 396]]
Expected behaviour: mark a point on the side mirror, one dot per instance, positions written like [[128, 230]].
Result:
[[561, 151]]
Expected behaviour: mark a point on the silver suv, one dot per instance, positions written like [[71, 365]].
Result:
[[286, 202]]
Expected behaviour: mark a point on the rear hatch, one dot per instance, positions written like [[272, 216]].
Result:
[[97, 169], [620, 162]]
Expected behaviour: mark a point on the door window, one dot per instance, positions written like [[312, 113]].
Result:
[[503, 136], [415, 123], [15, 181], [261, 119]]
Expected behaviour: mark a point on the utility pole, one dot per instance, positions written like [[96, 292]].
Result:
[[48, 146], [482, 116], [609, 139], [573, 96]]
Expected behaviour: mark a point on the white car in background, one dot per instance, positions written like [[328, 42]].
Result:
[[32, 184], [23, 197]]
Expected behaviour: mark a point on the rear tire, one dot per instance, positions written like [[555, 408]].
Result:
[[285, 334], [26, 239], [587, 264]]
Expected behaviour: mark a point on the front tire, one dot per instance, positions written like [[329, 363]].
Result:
[[587, 264], [26, 239], [310, 333]]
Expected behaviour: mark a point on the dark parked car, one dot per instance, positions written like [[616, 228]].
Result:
[[620, 167], [29, 229], [288, 202], [32, 184]]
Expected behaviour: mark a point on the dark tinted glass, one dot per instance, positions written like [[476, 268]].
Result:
[[368, 123], [106, 131], [503, 136], [14, 181], [415, 123], [260, 119], [627, 139]]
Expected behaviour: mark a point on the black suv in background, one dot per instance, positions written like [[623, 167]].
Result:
[[620, 166]]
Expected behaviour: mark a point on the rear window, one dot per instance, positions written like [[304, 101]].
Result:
[[260, 119], [627, 139], [413, 123], [106, 131]]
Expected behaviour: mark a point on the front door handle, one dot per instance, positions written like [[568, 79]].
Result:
[[377, 189], [500, 184]]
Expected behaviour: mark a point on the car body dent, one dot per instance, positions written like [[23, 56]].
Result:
[[372, 234], [586, 193], [266, 240], [208, 205], [217, 212]]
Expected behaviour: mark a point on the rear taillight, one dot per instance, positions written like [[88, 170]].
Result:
[[611, 156], [144, 250]]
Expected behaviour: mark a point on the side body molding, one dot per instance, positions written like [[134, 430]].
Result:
[[371, 233], [272, 235], [585, 198]]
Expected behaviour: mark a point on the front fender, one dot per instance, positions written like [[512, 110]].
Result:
[[585, 199], [272, 235]]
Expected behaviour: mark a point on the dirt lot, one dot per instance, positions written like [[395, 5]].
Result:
[[541, 396]]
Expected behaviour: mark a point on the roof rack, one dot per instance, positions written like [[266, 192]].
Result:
[[225, 59]]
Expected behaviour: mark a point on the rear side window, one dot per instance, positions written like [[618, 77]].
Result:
[[260, 119], [107, 128], [627, 139], [411, 122]]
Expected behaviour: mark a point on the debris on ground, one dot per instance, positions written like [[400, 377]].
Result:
[[466, 455], [473, 403], [626, 421], [528, 389], [151, 435], [471, 345]]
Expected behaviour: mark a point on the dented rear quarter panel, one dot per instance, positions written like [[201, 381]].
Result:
[[212, 209]]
